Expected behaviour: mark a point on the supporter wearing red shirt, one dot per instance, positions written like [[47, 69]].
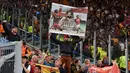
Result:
[[33, 62]]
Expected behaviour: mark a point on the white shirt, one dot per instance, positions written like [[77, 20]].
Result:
[[29, 68]]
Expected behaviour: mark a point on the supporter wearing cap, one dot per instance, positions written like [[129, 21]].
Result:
[[66, 44], [66, 37]]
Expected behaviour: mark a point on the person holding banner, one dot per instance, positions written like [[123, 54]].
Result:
[[107, 69], [66, 44]]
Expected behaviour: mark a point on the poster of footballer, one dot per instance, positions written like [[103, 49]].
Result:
[[68, 20]]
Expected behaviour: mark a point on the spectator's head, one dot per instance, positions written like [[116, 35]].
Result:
[[57, 63], [77, 62], [105, 61], [34, 58], [87, 62], [73, 61], [99, 63], [66, 37], [33, 51], [48, 59], [40, 51], [37, 69], [23, 43], [24, 59], [14, 30]]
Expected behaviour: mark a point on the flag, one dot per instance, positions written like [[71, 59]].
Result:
[[48, 69], [109, 69]]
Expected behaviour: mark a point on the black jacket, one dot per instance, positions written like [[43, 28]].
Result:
[[10, 35], [66, 47]]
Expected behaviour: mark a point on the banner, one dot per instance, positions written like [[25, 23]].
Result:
[[48, 69], [109, 69], [68, 20]]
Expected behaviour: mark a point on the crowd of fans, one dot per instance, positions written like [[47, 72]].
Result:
[[31, 57], [105, 17]]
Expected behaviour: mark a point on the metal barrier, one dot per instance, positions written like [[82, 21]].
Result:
[[10, 58], [32, 37], [54, 50], [15, 16]]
